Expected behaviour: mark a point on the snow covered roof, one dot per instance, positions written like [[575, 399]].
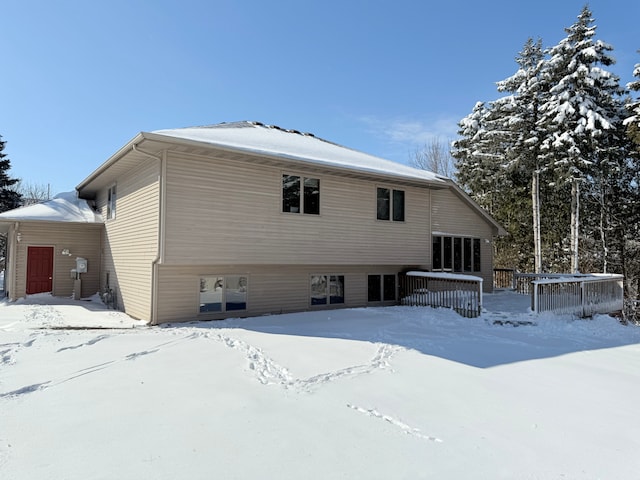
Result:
[[64, 207], [258, 138], [267, 141]]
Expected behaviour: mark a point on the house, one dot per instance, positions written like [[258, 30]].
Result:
[[243, 219]]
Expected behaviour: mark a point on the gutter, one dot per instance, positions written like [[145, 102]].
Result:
[[159, 259]]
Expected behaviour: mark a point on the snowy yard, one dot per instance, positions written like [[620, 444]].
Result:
[[393, 393]]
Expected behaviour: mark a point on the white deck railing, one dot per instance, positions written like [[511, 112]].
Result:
[[463, 293], [583, 295], [504, 278], [523, 281]]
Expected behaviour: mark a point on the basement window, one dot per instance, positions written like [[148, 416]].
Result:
[[327, 289], [223, 293], [381, 288]]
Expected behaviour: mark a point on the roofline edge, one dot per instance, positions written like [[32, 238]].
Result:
[[110, 161]]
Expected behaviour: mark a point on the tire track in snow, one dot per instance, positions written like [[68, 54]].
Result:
[[93, 341], [372, 412], [23, 390], [88, 370], [269, 372], [135, 355]]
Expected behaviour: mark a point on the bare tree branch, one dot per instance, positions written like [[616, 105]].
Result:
[[32, 193], [434, 156]]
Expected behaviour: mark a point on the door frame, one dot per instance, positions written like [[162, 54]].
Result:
[[52, 268]]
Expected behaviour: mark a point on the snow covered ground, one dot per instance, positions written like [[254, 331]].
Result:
[[393, 393]]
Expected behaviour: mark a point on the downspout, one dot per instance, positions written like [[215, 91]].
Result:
[[159, 259]]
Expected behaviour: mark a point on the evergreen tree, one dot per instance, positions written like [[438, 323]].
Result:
[[632, 121], [498, 164], [480, 168], [580, 115], [9, 198], [629, 218], [520, 115], [477, 157]]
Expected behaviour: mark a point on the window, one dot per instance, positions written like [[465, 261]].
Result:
[[476, 254], [456, 254], [311, 202], [388, 288], [300, 195], [384, 201], [223, 293], [381, 288], [390, 204], [398, 205], [447, 262], [437, 253], [374, 291], [467, 255], [111, 202], [327, 289]]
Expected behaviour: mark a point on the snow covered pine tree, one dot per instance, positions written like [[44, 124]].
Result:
[[581, 115]]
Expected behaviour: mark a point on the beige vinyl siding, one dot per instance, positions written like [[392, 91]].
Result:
[[452, 216], [82, 240], [222, 213], [130, 240], [272, 289]]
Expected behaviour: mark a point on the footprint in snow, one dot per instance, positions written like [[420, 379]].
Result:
[[270, 372], [372, 412]]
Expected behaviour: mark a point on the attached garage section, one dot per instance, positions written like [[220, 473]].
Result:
[[50, 250], [43, 242]]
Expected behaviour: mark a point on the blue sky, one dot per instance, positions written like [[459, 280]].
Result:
[[81, 78]]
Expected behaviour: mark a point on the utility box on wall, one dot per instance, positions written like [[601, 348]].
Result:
[[81, 265]]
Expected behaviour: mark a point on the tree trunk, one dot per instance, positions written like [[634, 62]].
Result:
[[575, 224], [535, 200], [603, 233], [623, 267]]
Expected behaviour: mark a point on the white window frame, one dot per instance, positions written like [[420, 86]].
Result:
[[223, 297], [473, 242], [381, 288], [301, 209], [328, 287], [391, 203]]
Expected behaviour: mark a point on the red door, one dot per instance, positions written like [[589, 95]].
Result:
[[39, 269]]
